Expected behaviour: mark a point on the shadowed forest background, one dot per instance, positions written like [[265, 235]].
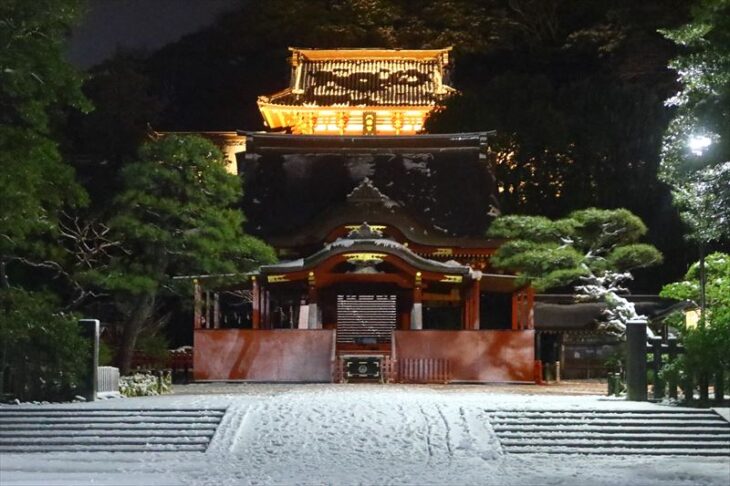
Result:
[[574, 89]]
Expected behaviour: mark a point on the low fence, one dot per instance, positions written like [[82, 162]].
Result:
[[179, 362], [107, 380], [665, 352], [424, 370]]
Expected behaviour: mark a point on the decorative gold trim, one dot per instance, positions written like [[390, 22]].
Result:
[[374, 227], [364, 257], [277, 278], [441, 252], [452, 279]]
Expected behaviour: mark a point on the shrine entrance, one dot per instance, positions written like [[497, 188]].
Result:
[[364, 319]]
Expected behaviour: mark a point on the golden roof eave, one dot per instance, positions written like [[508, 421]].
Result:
[[369, 53]]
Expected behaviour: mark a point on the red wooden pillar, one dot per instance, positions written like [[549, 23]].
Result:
[[530, 308], [515, 310], [197, 304], [255, 303]]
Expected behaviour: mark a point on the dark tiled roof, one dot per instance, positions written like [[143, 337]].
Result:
[[366, 82]]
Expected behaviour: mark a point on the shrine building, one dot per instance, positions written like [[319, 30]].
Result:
[[384, 270]]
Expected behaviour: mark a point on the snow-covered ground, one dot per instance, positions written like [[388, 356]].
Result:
[[358, 434]]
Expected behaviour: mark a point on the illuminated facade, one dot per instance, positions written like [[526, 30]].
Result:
[[358, 91], [384, 271]]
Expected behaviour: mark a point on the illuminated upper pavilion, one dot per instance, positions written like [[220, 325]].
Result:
[[358, 91]]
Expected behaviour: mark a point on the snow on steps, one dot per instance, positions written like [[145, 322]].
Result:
[[612, 432], [107, 430]]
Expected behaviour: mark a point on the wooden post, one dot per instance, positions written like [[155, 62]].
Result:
[[515, 311], [255, 304], [208, 320], [672, 349], [719, 387], [89, 330], [265, 309], [216, 311], [656, 349], [636, 360], [704, 385], [197, 304]]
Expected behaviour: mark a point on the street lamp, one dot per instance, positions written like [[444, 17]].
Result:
[[697, 144]]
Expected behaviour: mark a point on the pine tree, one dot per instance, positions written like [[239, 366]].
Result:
[[175, 216], [594, 248]]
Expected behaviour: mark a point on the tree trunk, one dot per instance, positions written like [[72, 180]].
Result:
[[142, 310]]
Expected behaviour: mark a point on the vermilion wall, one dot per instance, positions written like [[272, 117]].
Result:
[[263, 355], [478, 356]]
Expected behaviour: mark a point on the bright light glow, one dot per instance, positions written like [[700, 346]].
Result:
[[691, 318], [698, 143]]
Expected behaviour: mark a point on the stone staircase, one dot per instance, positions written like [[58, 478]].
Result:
[[612, 432], [106, 430]]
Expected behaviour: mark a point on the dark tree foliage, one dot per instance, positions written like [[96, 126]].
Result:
[[174, 216], [102, 141], [41, 353]]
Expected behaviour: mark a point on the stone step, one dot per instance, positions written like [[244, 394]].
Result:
[[608, 432], [603, 444], [647, 423], [622, 451], [613, 411], [113, 440], [82, 432], [104, 448], [111, 413], [592, 415], [109, 426], [107, 430], [639, 436], [103, 420]]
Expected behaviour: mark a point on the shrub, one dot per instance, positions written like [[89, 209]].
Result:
[[145, 384], [41, 350]]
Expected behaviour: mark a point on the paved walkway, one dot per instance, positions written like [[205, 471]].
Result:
[[361, 434]]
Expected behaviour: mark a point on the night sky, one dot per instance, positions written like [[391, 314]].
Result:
[[139, 24]]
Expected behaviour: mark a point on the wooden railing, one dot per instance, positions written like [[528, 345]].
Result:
[[424, 370], [107, 379]]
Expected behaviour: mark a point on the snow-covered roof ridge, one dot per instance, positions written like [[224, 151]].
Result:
[[373, 244]]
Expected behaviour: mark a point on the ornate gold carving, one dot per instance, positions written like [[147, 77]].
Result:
[[452, 279], [276, 278], [374, 227], [442, 252], [364, 257]]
